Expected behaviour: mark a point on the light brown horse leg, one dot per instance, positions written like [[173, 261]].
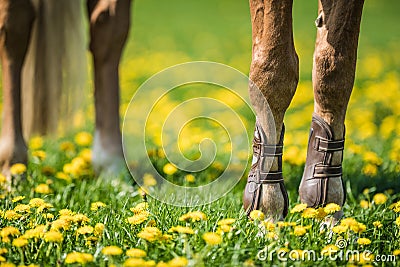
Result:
[[16, 18], [274, 70], [335, 56], [109, 26]]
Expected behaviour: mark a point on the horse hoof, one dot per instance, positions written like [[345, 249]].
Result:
[[266, 191]]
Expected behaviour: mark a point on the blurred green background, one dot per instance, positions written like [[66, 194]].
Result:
[[165, 33]]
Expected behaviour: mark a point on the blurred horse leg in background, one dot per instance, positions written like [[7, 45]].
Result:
[[49, 36], [275, 71], [335, 55], [16, 19], [109, 26]]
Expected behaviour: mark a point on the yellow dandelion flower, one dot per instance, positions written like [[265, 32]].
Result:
[[377, 224], [321, 214], [36, 232], [53, 237], [36, 202], [44, 206], [178, 262], [48, 216], [98, 229], [139, 208], [169, 169], [81, 218], [83, 139], [78, 257], [20, 242], [269, 226], [298, 208], [60, 224], [332, 208], [3, 179], [257, 215], [134, 262], [395, 207], [272, 235], [212, 238], [380, 199], [137, 219], [111, 251], [149, 180], [227, 221], [181, 229], [225, 228], [348, 222], [86, 155], [67, 146], [190, 178], [43, 189], [40, 154], [372, 157], [339, 229], [358, 228], [9, 230], [22, 208], [3, 251], [398, 221], [63, 176], [11, 215], [66, 212], [309, 213], [150, 234], [365, 204], [299, 231], [7, 264], [18, 169], [370, 169], [194, 216], [36, 143], [136, 253], [363, 241], [97, 205], [85, 230], [18, 198], [396, 252]]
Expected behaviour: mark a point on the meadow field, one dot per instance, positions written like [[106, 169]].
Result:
[[62, 215]]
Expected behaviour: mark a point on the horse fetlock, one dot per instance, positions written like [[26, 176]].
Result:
[[107, 155], [272, 202]]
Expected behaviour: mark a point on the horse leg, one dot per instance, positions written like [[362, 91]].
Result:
[[274, 70], [109, 26], [338, 26], [16, 19]]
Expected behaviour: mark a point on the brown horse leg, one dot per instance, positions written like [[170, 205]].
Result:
[[274, 70], [335, 56], [16, 18], [109, 26]]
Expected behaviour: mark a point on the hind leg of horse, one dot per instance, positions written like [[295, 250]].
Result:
[[338, 26], [109, 26], [274, 70], [16, 18]]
